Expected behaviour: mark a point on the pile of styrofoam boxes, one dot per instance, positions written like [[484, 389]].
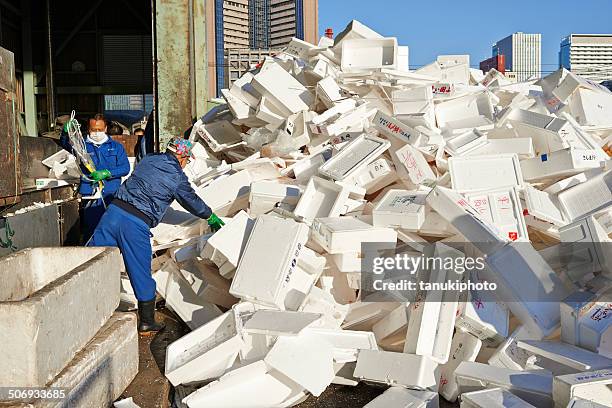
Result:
[[59, 326], [324, 147]]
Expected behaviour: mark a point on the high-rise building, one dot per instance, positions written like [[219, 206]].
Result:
[[588, 55], [497, 62], [523, 53], [263, 26]]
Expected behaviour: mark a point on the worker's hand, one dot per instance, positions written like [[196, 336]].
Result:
[[215, 222], [67, 124], [100, 175]]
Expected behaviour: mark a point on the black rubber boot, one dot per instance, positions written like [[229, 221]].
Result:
[[146, 314]]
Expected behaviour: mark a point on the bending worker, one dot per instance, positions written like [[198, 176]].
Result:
[[139, 205], [111, 164]]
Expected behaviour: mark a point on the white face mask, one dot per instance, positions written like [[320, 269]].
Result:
[[98, 137]]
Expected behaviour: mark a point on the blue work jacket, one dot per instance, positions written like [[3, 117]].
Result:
[[111, 156], [158, 180]]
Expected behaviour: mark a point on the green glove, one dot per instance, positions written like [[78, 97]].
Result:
[[67, 125], [215, 222], [100, 175]]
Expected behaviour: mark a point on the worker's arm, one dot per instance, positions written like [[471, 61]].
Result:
[[65, 142], [187, 197], [123, 164]]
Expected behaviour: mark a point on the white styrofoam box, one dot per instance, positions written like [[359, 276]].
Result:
[[473, 105], [354, 157], [176, 224], [403, 61], [543, 205], [546, 131], [567, 358], [535, 386], [522, 146], [328, 91], [583, 403], [508, 354], [322, 198], [436, 226], [339, 108], [227, 244], [596, 330], [414, 100], [346, 234], [573, 309], [354, 29], [456, 210], [180, 297], [267, 112], [493, 398], [464, 143], [400, 209], [251, 386], [204, 353], [588, 197], [323, 302], [415, 165], [299, 48], [265, 195], [368, 54], [242, 89], [395, 130], [529, 285], [227, 195], [43, 330], [559, 164], [278, 322], [268, 279], [398, 397], [590, 108], [485, 172], [347, 261], [464, 347], [502, 208], [377, 175], [220, 135], [394, 323], [239, 108], [283, 90], [486, 320], [306, 359], [390, 368], [595, 386], [431, 320], [363, 315], [306, 168]]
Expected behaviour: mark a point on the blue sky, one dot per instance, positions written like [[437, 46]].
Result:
[[433, 27]]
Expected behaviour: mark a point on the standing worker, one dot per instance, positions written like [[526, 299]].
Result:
[[111, 164], [139, 205]]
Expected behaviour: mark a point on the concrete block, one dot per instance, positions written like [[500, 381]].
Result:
[[40, 288]]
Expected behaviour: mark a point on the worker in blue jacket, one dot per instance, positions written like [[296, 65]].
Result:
[[139, 205], [111, 164]]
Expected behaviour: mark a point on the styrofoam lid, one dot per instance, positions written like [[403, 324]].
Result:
[[485, 172]]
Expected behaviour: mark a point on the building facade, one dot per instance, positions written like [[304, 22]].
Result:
[[588, 55], [523, 54], [497, 62], [248, 29]]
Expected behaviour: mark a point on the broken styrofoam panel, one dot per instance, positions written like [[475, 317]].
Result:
[[226, 195], [583, 403], [346, 234], [465, 347], [242, 89], [267, 112], [484, 319], [535, 387], [354, 30], [508, 354], [38, 295], [306, 359], [284, 91], [593, 386], [457, 211], [322, 198], [588, 197], [399, 397], [328, 91], [346, 343], [265, 195], [176, 224], [267, 279], [485, 172], [400, 209], [220, 135], [353, 157], [566, 358], [493, 398], [204, 353], [544, 205], [364, 315], [323, 302], [390, 368], [227, 244], [394, 323], [367, 54], [561, 163], [181, 298], [252, 386], [529, 285]]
